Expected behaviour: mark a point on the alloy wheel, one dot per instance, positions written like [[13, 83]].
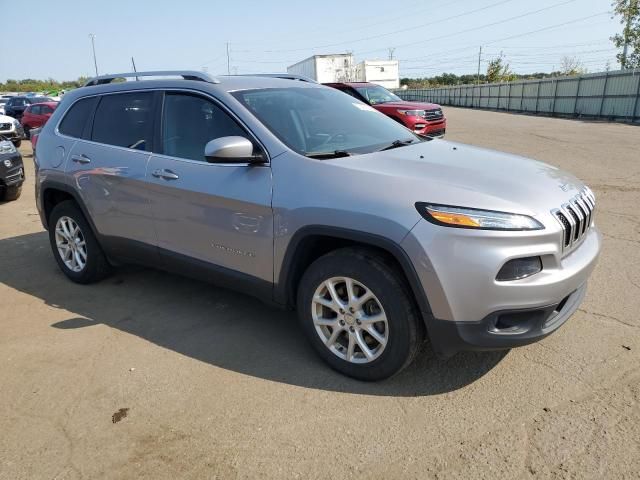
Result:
[[350, 320]]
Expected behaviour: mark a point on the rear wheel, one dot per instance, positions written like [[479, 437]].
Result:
[[74, 246], [358, 315], [27, 132]]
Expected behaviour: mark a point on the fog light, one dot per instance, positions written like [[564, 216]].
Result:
[[7, 163], [519, 268]]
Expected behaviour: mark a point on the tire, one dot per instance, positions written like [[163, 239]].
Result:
[[402, 330], [17, 143], [11, 193], [27, 132], [96, 266]]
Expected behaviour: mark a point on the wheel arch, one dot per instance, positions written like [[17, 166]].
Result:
[[311, 242], [53, 193]]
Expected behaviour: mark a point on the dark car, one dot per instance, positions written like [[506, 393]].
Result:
[[425, 119], [16, 106], [11, 171]]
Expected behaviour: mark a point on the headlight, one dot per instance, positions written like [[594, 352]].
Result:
[[16, 123], [412, 113], [462, 217], [7, 147]]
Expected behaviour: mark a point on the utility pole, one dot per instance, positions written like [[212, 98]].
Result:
[[391, 50], [93, 48], [228, 61], [479, 58]]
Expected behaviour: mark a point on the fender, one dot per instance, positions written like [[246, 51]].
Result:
[[55, 185], [284, 290]]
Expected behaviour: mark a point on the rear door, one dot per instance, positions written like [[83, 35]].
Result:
[[109, 165], [219, 214]]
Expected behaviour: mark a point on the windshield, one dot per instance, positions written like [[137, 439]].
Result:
[[376, 94], [313, 121]]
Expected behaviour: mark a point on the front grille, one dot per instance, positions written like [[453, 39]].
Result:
[[432, 115], [5, 126], [576, 218]]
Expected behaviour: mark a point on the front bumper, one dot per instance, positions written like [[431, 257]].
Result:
[[426, 128], [15, 133], [505, 329], [470, 309], [13, 175]]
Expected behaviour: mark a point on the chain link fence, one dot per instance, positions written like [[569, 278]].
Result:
[[606, 95]]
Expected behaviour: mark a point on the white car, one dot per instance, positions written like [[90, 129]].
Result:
[[11, 129]]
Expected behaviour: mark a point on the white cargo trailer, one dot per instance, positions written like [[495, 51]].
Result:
[[326, 68], [380, 72]]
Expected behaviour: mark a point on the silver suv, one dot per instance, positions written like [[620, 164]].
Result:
[[307, 198]]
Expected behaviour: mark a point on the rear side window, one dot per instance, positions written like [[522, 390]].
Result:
[[125, 120], [45, 109], [74, 122], [35, 109]]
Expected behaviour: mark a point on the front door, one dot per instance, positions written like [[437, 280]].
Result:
[[219, 214]]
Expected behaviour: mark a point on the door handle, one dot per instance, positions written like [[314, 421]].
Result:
[[82, 158], [166, 174]]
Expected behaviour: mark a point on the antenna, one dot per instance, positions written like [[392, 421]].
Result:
[[133, 63]]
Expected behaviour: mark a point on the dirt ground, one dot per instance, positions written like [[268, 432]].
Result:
[[149, 375]]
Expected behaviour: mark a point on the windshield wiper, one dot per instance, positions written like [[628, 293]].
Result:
[[397, 143], [325, 155]]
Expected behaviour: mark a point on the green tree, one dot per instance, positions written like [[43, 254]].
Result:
[[498, 71], [629, 12]]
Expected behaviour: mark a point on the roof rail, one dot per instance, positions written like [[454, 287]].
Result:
[[284, 76], [185, 74]]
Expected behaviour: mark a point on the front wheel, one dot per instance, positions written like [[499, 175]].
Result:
[[11, 193], [74, 246], [358, 315], [17, 143]]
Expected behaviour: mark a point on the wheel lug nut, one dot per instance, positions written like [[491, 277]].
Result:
[[351, 329], [342, 322], [358, 321]]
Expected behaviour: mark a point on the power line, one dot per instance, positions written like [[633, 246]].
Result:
[[480, 27], [380, 35]]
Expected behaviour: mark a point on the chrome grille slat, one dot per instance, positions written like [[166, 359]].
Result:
[[575, 217]]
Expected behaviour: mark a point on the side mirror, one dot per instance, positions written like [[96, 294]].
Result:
[[231, 150]]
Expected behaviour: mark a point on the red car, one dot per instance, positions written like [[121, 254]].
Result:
[[36, 115], [423, 118]]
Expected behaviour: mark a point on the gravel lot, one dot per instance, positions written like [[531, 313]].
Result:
[[149, 375]]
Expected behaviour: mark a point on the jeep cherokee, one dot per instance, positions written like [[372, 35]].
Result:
[[310, 199]]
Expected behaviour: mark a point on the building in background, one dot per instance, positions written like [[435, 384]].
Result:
[[341, 67]]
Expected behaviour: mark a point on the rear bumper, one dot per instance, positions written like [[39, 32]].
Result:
[[504, 329]]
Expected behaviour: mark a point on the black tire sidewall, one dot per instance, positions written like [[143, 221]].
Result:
[[12, 193], [91, 271], [384, 284]]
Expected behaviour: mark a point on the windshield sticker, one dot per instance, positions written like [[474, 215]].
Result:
[[364, 107]]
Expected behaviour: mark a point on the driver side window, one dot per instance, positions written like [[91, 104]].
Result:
[[189, 122]]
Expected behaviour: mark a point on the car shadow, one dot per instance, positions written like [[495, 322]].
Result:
[[220, 327]]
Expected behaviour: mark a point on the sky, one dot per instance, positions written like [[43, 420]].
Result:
[[429, 36]]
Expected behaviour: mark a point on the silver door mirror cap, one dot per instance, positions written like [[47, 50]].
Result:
[[232, 149]]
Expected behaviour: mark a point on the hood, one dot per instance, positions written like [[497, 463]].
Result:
[[449, 173], [6, 119], [408, 105]]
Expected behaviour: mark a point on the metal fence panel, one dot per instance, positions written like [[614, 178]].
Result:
[[610, 95]]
